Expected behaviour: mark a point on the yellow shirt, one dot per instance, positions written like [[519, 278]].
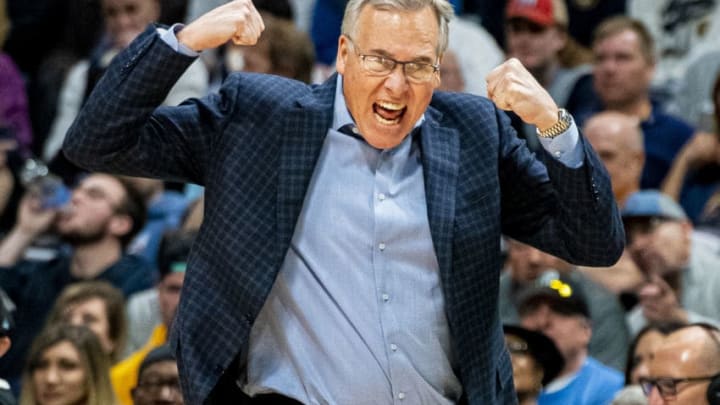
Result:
[[124, 375]]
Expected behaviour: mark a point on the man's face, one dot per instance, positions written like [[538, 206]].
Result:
[[682, 356], [169, 296], [159, 384], [92, 313], [385, 107], [622, 74], [92, 209], [535, 46], [126, 19], [644, 352], [657, 245], [528, 263], [570, 333], [623, 163]]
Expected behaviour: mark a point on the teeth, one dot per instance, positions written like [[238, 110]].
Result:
[[385, 121], [390, 106]]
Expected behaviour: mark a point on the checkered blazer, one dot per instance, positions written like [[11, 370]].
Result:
[[254, 146]]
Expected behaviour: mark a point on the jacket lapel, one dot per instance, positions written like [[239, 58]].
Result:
[[440, 157], [304, 132]]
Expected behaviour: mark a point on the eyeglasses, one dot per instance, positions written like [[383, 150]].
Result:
[[417, 72], [668, 386]]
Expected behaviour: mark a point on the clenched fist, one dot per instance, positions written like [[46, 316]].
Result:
[[237, 20], [512, 88]]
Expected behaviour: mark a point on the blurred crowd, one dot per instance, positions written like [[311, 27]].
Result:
[[92, 264]]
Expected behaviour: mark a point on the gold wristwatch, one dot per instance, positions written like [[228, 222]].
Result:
[[564, 122]]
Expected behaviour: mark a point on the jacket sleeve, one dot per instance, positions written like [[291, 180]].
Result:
[[568, 212], [122, 129]]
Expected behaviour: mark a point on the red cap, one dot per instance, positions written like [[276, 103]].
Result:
[[541, 12]]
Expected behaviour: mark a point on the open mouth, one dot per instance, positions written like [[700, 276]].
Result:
[[388, 113]]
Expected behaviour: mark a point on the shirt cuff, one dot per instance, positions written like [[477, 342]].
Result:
[[565, 147], [169, 37]]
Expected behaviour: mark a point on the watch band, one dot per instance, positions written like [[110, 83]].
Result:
[[563, 123]]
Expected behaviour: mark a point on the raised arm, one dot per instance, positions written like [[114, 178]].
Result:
[[121, 129]]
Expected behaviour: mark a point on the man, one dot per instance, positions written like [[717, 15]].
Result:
[[123, 21], [685, 368], [337, 246], [618, 141], [536, 35], [172, 262], [680, 266], [528, 266], [623, 71], [559, 310], [102, 217], [158, 381]]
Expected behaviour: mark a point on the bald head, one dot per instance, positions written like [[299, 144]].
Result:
[[618, 140], [690, 352]]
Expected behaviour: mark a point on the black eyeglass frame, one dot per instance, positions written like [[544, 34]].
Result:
[[671, 389]]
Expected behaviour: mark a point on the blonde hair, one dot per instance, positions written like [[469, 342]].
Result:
[[94, 361], [114, 301]]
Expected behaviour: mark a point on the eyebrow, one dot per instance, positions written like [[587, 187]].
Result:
[[386, 54]]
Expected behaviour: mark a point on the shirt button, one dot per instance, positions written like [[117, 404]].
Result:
[[381, 197], [393, 347], [385, 297], [381, 246], [354, 129], [401, 396], [558, 154]]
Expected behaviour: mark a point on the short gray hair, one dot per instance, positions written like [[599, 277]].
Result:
[[443, 11]]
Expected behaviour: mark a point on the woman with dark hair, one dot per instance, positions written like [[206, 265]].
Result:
[[67, 365], [644, 344]]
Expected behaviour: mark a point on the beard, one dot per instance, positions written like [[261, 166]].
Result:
[[82, 237]]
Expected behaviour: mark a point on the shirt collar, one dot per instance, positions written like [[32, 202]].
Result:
[[341, 114]]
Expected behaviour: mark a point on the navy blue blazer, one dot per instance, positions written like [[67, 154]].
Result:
[[254, 146]]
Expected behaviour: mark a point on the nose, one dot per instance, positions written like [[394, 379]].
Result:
[[52, 375], [396, 82]]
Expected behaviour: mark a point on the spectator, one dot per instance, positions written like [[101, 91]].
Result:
[[681, 268], [124, 20], [172, 262], [695, 173], [14, 114], [6, 327], [451, 73], [558, 310], [98, 306], [165, 211], [67, 365], [282, 50], [685, 368], [642, 349], [535, 361], [102, 217], [536, 36], [624, 67], [529, 267], [158, 379], [618, 141]]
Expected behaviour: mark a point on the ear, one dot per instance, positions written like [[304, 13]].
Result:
[[342, 54], [4, 345], [120, 225]]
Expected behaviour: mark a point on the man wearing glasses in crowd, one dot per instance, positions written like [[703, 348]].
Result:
[[350, 250], [685, 369]]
